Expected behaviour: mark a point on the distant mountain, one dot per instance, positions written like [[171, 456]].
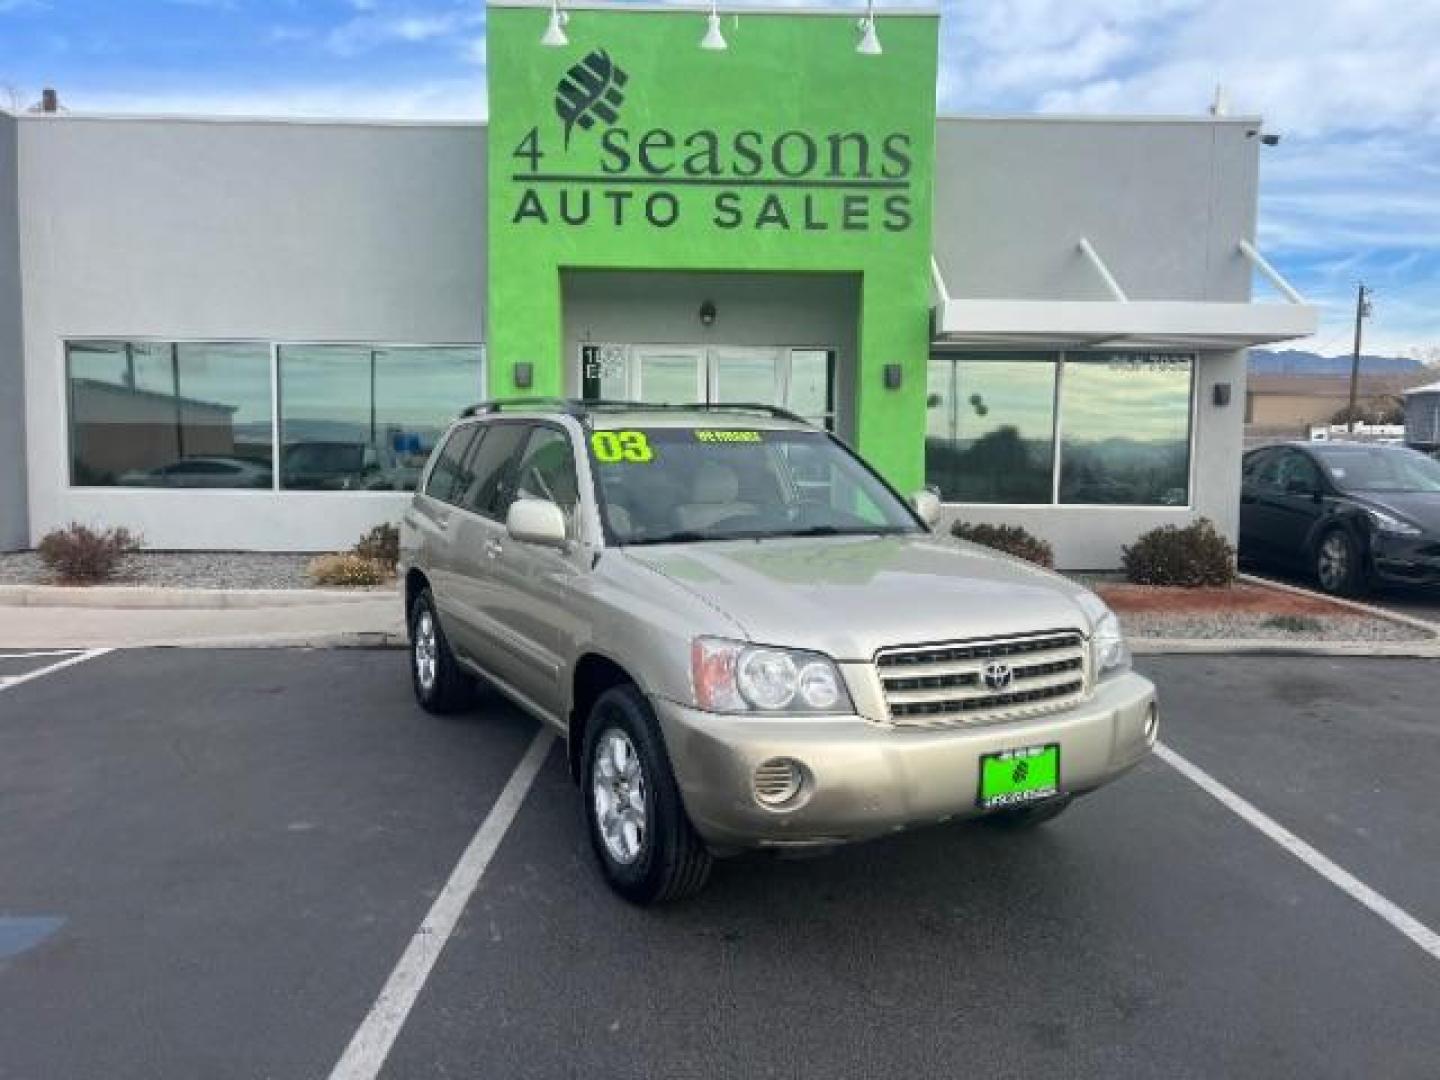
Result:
[[1298, 362]]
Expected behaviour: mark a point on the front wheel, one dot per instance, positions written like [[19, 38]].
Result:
[[647, 848], [1338, 564]]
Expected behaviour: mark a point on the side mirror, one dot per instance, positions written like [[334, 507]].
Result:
[[537, 521], [1299, 486], [927, 505]]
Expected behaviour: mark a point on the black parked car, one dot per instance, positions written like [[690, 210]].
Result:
[[1353, 514]]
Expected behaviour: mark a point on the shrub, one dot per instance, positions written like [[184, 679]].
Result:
[[348, 571], [1011, 539], [79, 555], [1191, 557], [382, 545]]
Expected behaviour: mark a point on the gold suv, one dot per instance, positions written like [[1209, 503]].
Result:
[[748, 639]]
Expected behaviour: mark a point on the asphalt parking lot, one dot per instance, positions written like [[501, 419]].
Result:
[[211, 862]]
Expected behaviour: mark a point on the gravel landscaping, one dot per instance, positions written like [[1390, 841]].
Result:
[[181, 569], [1254, 626]]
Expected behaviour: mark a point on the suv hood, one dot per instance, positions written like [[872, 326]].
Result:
[[851, 596]]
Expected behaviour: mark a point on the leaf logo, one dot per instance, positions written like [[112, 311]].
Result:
[[591, 90]]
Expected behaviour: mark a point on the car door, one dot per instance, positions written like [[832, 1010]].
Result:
[[1296, 505], [477, 535], [1257, 464], [534, 585], [432, 513]]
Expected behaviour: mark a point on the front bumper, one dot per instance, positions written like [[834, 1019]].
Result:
[[1404, 560], [864, 779]]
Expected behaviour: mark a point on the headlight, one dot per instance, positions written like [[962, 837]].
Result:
[[1389, 523], [1107, 643], [731, 677]]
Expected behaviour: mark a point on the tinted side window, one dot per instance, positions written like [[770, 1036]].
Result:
[[446, 478], [491, 469], [1298, 470]]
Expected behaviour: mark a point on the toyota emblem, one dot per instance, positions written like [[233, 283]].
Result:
[[997, 675]]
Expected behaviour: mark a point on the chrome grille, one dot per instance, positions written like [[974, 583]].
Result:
[[944, 684]]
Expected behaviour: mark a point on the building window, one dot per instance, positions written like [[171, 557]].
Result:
[[169, 415], [365, 418], [1122, 422], [990, 437], [1125, 431]]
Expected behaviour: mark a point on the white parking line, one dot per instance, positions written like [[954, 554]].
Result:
[[1341, 878], [11, 681], [370, 1046]]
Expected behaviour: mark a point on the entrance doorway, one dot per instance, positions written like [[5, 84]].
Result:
[[795, 378]]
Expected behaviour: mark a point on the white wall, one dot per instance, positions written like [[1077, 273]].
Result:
[[13, 524], [1165, 202], [181, 229]]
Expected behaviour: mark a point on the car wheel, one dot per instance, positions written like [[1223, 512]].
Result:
[[1338, 566], [440, 685], [647, 848], [1027, 817]]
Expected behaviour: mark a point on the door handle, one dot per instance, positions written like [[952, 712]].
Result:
[[493, 548]]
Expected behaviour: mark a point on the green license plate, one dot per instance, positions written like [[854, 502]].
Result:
[[1019, 776]]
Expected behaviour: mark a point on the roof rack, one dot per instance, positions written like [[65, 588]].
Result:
[[576, 407]]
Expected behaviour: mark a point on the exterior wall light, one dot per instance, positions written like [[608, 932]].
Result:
[[893, 376], [707, 313], [554, 36], [524, 375], [713, 40], [869, 39]]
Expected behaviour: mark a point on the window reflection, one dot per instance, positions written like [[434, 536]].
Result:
[[1126, 431], [160, 414], [1124, 420], [360, 417], [990, 429]]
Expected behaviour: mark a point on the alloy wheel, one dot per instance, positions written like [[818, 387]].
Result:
[[426, 649], [618, 790]]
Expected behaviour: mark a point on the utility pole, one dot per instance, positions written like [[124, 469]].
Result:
[[1362, 312]]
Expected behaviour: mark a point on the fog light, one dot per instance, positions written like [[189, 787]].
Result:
[[777, 781], [1152, 722]]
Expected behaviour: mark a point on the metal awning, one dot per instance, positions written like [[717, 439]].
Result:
[[1120, 321]]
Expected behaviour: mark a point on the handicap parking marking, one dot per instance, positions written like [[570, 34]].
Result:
[[371, 1044], [1342, 879], [72, 657]]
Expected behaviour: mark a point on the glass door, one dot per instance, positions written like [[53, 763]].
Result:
[[746, 376], [799, 379], [668, 375]]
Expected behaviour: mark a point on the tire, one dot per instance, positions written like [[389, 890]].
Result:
[[1338, 564], [1028, 817], [652, 853], [441, 687]]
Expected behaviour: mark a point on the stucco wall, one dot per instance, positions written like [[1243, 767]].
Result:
[[1165, 203], [238, 230], [14, 532]]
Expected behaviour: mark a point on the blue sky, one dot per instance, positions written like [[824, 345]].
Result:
[[1352, 86]]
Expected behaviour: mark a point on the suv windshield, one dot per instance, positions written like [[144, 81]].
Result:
[[684, 484], [1380, 468]]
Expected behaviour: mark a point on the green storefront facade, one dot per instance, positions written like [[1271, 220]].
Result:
[[632, 151]]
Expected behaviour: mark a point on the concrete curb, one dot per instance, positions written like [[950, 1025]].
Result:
[[1433, 629], [158, 598], [1419, 650]]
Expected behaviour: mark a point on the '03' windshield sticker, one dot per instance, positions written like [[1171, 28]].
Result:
[[615, 446]]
